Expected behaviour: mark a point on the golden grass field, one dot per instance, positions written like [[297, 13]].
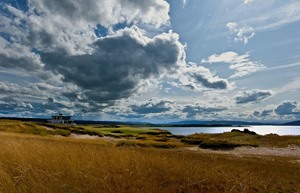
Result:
[[51, 164]]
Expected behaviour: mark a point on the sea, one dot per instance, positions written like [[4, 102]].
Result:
[[261, 129]]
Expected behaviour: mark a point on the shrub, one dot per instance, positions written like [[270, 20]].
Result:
[[191, 141], [178, 136], [164, 146], [126, 144], [157, 132], [62, 132], [151, 133], [117, 131], [128, 135], [141, 138], [218, 145], [247, 131], [145, 144], [112, 135], [162, 139]]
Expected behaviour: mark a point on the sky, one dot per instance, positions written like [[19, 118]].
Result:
[[150, 60]]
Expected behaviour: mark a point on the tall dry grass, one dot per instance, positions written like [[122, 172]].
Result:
[[54, 165]]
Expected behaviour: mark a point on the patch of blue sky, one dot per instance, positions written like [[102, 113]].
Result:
[[121, 26], [196, 23], [100, 31], [36, 51], [4, 11], [17, 79], [19, 4], [276, 47], [6, 36]]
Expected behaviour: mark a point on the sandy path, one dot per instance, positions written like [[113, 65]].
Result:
[[47, 128], [79, 136], [104, 138], [291, 151]]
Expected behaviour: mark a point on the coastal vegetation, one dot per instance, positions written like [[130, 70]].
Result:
[[151, 137], [40, 157], [237, 139]]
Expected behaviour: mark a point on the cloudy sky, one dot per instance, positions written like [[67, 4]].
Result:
[[151, 60]]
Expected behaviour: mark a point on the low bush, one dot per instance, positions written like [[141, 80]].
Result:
[[141, 138], [126, 144], [218, 145], [117, 131], [127, 135], [162, 139], [61, 132], [112, 135], [164, 145], [145, 144], [157, 132], [191, 141], [247, 131]]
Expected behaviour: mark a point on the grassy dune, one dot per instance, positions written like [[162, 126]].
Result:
[[14, 126], [38, 157], [242, 139], [150, 137], [116, 131], [50, 164]]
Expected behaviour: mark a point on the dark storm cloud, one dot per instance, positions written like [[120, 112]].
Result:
[[26, 63], [264, 113], [118, 64], [126, 115], [288, 108], [214, 84], [9, 105], [253, 96], [194, 76], [7, 88], [152, 107], [68, 24], [56, 40], [193, 110]]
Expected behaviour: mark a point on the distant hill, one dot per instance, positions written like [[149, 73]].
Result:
[[214, 123], [25, 119], [187, 123], [293, 123], [86, 122]]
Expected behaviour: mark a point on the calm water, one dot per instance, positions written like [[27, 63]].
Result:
[[262, 130]]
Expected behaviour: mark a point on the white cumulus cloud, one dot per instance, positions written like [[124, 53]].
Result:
[[184, 2], [247, 1], [241, 64], [196, 77], [241, 33]]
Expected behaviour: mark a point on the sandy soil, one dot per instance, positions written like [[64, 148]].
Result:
[[47, 128], [77, 136], [291, 151], [105, 138]]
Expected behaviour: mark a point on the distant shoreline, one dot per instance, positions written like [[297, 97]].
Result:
[[220, 123]]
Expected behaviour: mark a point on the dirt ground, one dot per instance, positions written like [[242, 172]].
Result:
[[291, 151]]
